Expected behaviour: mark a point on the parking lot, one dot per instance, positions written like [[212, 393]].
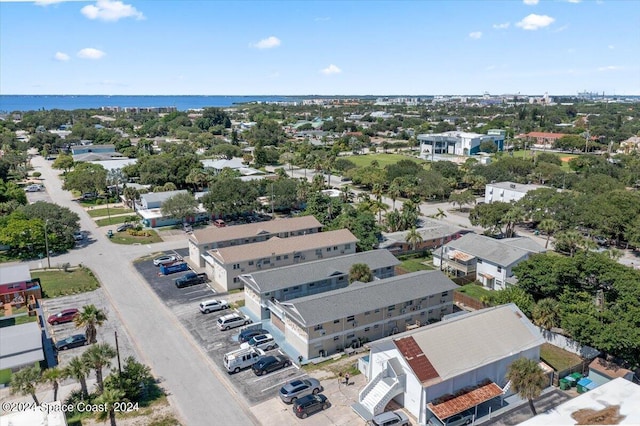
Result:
[[260, 392], [105, 333]]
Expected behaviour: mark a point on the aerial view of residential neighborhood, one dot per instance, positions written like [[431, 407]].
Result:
[[319, 213]]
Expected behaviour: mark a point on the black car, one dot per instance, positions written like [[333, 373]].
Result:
[[124, 227], [246, 335], [309, 404], [74, 341], [267, 364]]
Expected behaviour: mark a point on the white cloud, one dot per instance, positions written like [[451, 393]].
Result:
[[331, 69], [610, 68], [39, 2], [267, 43], [110, 10], [533, 22], [611, 46], [502, 26], [59, 56], [90, 53], [530, 2], [574, 1], [475, 34]]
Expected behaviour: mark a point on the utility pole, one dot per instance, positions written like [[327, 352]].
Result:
[[118, 353], [46, 243]]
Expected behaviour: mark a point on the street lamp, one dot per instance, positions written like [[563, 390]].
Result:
[[46, 243]]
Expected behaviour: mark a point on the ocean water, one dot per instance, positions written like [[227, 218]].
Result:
[[10, 103]]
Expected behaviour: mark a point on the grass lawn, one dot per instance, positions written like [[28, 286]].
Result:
[[382, 159], [126, 238], [113, 220], [102, 212], [558, 358], [475, 291], [415, 264], [8, 322], [564, 157], [5, 376], [61, 283]]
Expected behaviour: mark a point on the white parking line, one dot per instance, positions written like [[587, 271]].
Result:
[[195, 291], [283, 382], [266, 377]]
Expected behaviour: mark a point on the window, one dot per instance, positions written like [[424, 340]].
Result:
[[267, 294], [297, 287], [336, 321], [341, 278], [318, 327], [367, 313], [277, 257], [479, 261], [376, 326], [335, 248], [499, 268], [391, 308], [350, 318], [367, 329], [351, 336], [445, 294], [318, 251], [335, 338], [347, 246], [236, 279], [328, 249], [236, 266], [376, 311], [286, 256], [266, 261], [250, 262], [312, 285]]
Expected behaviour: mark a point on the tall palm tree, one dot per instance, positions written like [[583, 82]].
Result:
[[53, 375], [549, 227], [78, 370], [569, 241], [377, 207], [527, 379], [25, 381], [98, 357], [394, 191], [545, 313], [131, 195], [89, 318], [513, 216], [414, 238], [109, 398]]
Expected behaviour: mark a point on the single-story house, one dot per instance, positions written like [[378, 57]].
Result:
[[20, 346], [154, 200], [507, 192], [263, 288], [433, 234], [202, 240], [325, 323], [448, 367], [485, 259], [224, 265]]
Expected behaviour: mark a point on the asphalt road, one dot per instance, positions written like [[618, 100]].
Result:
[[196, 390]]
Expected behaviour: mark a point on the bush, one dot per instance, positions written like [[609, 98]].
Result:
[[36, 174]]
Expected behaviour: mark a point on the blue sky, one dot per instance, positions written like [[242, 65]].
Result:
[[182, 47]]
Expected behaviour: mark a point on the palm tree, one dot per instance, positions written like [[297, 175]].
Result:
[[394, 191], [25, 381], [98, 357], [53, 375], [414, 238], [569, 241], [440, 215], [527, 379], [109, 398], [89, 318], [131, 195], [377, 207], [360, 272], [545, 313], [548, 226], [78, 370], [513, 216]]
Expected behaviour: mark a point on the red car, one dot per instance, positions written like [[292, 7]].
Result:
[[64, 316]]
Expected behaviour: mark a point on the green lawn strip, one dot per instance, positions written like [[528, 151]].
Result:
[[61, 283], [382, 159], [5, 376], [415, 264], [558, 358], [112, 220], [23, 319], [103, 212], [475, 291], [126, 238]]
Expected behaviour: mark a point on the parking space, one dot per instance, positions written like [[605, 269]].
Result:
[[216, 343], [105, 333]]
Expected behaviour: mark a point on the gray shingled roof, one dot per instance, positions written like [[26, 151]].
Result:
[[430, 230], [501, 252], [288, 276], [363, 297], [11, 274]]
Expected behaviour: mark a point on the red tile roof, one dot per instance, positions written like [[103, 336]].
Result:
[[543, 135], [469, 399], [417, 360]]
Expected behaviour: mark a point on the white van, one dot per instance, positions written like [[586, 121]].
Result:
[[235, 361]]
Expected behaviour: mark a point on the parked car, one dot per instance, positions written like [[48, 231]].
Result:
[[63, 316], [74, 341], [267, 364], [290, 392], [219, 223], [186, 227], [310, 404], [124, 227], [164, 260], [213, 305], [230, 321], [264, 341], [460, 419], [190, 278], [78, 236], [89, 196], [246, 335], [390, 418], [33, 188]]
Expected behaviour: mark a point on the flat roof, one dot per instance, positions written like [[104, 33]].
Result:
[[516, 187], [501, 252], [20, 345], [14, 274], [616, 401], [213, 234], [161, 196], [430, 230], [277, 246], [435, 355], [287, 276], [362, 297]]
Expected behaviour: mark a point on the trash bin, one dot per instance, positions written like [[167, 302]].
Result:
[[576, 376], [564, 384], [570, 381]]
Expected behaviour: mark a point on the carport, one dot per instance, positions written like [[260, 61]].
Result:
[[465, 399]]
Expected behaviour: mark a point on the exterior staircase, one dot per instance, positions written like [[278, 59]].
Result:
[[375, 396]]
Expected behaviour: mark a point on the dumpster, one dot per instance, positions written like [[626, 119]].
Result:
[[576, 376], [564, 384], [571, 381], [584, 385]]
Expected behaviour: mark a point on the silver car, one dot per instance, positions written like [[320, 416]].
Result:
[[299, 388], [390, 418]]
